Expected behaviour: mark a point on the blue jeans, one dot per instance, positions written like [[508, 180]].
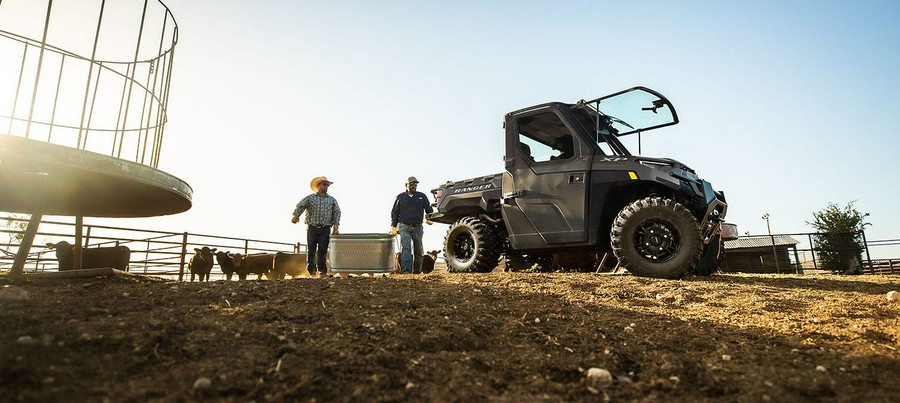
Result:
[[317, 246], [411, 255]]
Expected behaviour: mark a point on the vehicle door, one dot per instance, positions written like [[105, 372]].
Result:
[[544, 186]]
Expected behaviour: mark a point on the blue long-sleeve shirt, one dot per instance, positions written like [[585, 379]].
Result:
[[410, 209], [320, 210]]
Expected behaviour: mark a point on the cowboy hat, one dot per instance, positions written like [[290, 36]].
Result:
[[314, 185]]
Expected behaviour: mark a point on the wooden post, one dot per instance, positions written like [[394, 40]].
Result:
[[27, 240], [37, 214], [183, 254], [602, 262], [812, 252], [146, 255], [87, 237], [76, 257], [774, 250]]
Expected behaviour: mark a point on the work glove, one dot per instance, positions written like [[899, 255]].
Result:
[[334, 230], [429, 222], [294, 219], [393, 231]]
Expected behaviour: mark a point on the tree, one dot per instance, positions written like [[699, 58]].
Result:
[[839, 242], [15, 226]]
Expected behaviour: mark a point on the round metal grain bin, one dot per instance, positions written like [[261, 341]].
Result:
[[361, 253]]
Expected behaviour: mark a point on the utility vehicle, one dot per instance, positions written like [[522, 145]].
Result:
[[571, 191]]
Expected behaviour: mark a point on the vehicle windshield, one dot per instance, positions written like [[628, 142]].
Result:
[[631, 111]]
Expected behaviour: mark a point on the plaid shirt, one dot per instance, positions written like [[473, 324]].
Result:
[[320, 210]]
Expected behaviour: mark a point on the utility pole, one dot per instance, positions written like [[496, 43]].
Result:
[[774, 251]]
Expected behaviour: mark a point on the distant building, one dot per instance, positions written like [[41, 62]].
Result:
[[756, 254]]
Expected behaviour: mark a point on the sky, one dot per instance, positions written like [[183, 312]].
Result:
[[777, 101]]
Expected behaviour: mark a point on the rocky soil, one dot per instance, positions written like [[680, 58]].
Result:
[[451, 337]]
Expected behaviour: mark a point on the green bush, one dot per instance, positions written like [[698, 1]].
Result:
[[839, 242]]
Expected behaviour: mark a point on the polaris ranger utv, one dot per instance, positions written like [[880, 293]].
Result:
[[571, 191]]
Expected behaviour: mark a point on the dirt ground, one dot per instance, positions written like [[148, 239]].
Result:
[[451, 337]]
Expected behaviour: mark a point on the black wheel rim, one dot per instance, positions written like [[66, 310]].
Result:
[[657, 240], [463, 246]]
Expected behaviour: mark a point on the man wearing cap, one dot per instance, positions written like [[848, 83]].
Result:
[[406, 219], [323, 216]]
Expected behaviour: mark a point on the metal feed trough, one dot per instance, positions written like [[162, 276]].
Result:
[[361, 253]]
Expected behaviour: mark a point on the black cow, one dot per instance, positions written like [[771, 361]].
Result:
[[201, 263], [226, 263], [116, 257], [428, 260]]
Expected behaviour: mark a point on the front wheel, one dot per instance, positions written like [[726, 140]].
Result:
[[656, 237], [471, 245]]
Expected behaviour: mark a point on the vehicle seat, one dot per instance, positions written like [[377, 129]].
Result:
[[526, 151]]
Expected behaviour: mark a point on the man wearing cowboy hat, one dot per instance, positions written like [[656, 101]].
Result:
[[406, 219], [323, 216]]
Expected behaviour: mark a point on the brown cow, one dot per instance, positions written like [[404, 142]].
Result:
[[258, 264], [285, 264], [116, 257], [201, 263]]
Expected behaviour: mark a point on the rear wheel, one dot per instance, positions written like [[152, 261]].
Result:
[[656, 237], [711, 259], [471, 245]]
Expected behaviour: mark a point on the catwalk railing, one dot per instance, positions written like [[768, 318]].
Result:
[[91, 75]]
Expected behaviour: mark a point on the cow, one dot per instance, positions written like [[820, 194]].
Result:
[[428, 260], [284, 264], [116, 257], [226, 263], [201, 263], [258, 264]]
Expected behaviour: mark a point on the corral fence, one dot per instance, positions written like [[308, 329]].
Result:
[[157, 253], [812, 253], [166, 254]]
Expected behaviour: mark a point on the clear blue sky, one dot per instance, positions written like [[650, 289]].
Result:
[[785, 106]]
